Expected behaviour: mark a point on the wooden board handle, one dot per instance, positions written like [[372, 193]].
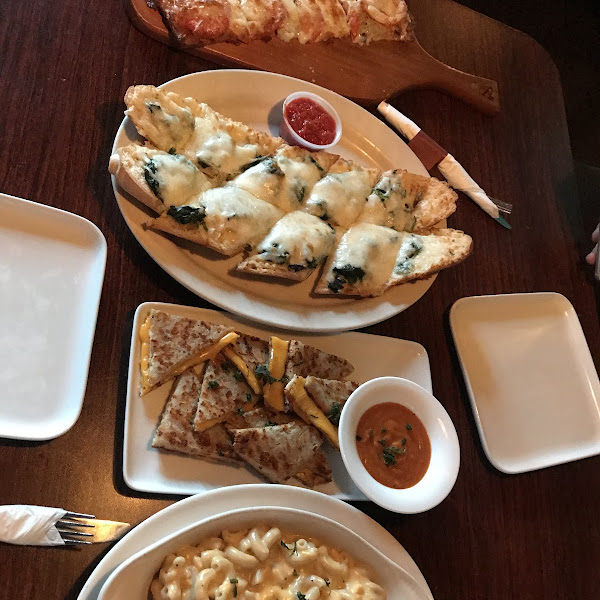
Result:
[[479, 92]]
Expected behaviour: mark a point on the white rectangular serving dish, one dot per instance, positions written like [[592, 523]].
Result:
[[147, 469], [51, 272], [530, 377]]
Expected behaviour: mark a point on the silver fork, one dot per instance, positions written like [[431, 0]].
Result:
[[504, 207], [72, 528]]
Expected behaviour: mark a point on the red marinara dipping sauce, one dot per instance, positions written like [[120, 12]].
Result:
[[393, 445], [310, 121]]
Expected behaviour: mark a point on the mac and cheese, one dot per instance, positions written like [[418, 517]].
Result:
[[262, 563]]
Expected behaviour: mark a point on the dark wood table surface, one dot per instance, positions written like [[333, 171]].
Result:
[[64, 67]]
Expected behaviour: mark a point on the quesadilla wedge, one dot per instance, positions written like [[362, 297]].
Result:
[[175, 432], [246, 353], [316, 472], [293, 249], [171, 344], [224, 390], [289, 358], [225, 219], [329, 395], [308, 411], [279, 451], [157, 179], [408, 202]]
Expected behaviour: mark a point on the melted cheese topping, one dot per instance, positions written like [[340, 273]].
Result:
[[248, 374], [421, 253], [209, 354], [307, 410], [340, 197], [273, 392], [371, 248], [220, 151], [281, 181], [178, 180], [160, 119], [391, 204], [234, 218], [297, 239], [290, 27]]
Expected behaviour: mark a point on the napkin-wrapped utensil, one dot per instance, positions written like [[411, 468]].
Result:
[[29, 525], [431, 154]]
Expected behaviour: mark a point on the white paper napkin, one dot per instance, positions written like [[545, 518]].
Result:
[[30, 525], [450, 168]]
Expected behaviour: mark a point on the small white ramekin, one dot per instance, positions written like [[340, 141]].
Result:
[[443, 468], [291, 137]]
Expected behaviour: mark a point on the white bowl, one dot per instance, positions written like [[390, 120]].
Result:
[[131, 580], [289, 135], [445, 451]]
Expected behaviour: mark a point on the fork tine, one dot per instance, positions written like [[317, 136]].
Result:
[[69, 532], [74, 542], [505, 207], [74, 524], [74, 515]]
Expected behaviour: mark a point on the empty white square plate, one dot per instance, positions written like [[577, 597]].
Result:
[[531, 379], [51, 273]]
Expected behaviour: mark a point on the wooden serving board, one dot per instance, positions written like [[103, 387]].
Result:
[[365, 74]]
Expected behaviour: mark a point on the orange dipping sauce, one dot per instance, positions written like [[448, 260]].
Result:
[[393, 445]]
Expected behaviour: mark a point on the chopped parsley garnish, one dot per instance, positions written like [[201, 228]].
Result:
[[213, 384], [272, 167], [382, 194], [389, 454], [262, 372], [327, 582], [225, 365], [238, 375], [248, 397], [409, 426], [292, 550], [235, 582], [270, 423], [336, 285], [383, 430], [404, 441], [382, 442], [239, 410], [301, 596], [334, 413], [295, 573], [172, 150]]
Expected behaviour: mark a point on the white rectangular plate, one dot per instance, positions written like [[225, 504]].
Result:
[[147, 469], [531, 379], [51, 273]]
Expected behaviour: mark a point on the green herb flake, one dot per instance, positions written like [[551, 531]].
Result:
[[383, 430], [187, 215], [262, 372], [172, 150], [248, 397], [404, 441], [327, 582], [292, 550], [235, 590], [389, 454], [409, 427], [358, 438], [213, 384], [238, 376], [295, 573], [301, 596], [382, 442], [334, 413]]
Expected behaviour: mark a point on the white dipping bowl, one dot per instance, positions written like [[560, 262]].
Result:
[[445, 451], [287, 132]]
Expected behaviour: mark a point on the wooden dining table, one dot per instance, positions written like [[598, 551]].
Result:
[[64, 68]]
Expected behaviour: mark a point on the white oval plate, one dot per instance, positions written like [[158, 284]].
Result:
[[255, 98], [195, 508]]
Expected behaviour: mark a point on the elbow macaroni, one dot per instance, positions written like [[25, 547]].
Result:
[[262, 563]]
